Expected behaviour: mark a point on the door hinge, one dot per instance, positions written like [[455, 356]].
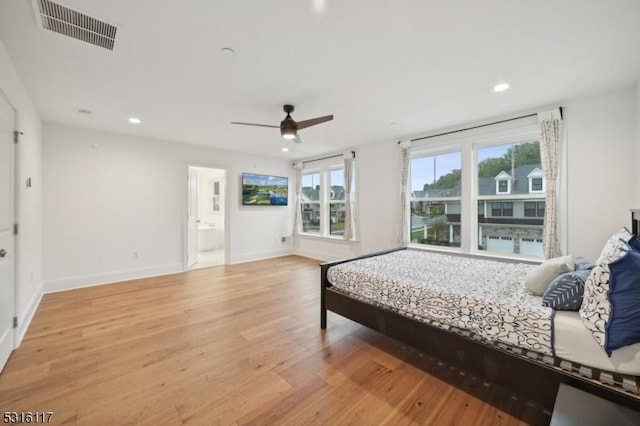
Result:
[[16, 136], [15, 229], [15, 322]]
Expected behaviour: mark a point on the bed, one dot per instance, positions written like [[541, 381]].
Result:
[[483, 320]]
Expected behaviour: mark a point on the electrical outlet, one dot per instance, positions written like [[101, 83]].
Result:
[[283, 240]]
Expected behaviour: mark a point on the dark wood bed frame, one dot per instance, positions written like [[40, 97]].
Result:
[[530, 378]]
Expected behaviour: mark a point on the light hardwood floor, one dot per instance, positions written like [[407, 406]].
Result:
[[233, 345]]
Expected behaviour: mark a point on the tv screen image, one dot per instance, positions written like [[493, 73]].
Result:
[[264, 190]]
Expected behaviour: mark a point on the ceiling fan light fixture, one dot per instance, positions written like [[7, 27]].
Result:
[[288, 133]]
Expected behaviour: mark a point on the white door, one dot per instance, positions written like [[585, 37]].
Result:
[[192, 219], [7, 304]]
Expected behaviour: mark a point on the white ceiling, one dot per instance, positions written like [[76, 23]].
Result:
[[421, 64]]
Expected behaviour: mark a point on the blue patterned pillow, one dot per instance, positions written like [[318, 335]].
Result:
[[583, 264], [596, 306], [565, 292], [623, 325]]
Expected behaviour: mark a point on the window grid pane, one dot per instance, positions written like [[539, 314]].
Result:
[[310, 217], [536, 184], [435, 199], [336, 218], [514, 225]]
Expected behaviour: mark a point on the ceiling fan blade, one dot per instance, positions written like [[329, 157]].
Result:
[[313, 121], [254, 124], [297, 139]]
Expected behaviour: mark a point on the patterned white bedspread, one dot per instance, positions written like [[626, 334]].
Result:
[[484, 296]]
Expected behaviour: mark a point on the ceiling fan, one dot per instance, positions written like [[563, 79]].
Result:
[[289, 127]]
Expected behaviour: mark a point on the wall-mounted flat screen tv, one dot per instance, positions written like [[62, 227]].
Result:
[[264, 190]]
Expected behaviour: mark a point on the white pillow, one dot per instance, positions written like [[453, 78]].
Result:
[[539, 278]]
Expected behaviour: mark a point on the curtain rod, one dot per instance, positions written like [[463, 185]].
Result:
[[326, 158], [480, 126]]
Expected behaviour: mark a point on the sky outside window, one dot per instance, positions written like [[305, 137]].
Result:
[[429, 169]]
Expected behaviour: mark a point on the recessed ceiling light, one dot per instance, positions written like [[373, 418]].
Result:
[[501, 87], [285, 149], [134, 120], [393, 123], [227, 51], [84, 111]]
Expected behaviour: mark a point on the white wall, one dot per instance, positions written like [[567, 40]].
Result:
[[602, 177], [29, 241], [603, 147], [378, 187], [108, 195]]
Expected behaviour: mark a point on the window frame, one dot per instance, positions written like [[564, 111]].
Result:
[[313, 171], [331, 202], [502, 208], [433, 151], [536, 208], [324, 169], [507, 188], [469, 142]]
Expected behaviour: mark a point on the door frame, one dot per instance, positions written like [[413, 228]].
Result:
[[185, 215], [14, 207]]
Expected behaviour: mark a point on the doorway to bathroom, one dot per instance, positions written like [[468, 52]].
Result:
[[206, 217]]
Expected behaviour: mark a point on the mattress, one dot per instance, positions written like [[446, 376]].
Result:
[[574, 342], [486, 297]]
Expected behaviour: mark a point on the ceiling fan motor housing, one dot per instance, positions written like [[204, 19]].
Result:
[[288, 126]]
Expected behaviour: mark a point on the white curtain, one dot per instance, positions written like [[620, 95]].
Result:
[[349, 157], [550, 126], [403, 218], [297, 194]]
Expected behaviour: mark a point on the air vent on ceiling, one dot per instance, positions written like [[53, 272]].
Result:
[[69, 22]]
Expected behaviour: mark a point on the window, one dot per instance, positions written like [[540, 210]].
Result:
[[323, 200], [518, 164], [536, 181], [493, 186], [502, 209], [534, 208], [536, 184], [336, 202], [435, 199], [310, 203]]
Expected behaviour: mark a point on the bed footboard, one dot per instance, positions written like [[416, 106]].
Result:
[[324, 282]]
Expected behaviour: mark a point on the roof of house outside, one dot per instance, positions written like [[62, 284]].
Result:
[[487, 185]]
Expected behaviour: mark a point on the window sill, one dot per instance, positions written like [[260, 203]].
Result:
[[483, 255], [304, 235]]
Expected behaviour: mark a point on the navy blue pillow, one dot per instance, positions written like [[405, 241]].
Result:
[[623, 327], [565, 291], [634, 243], [583, 264]]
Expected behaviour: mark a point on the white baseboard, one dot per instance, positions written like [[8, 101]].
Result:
[[24, 318], [316, 254], [251, 257], [91, 280]]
